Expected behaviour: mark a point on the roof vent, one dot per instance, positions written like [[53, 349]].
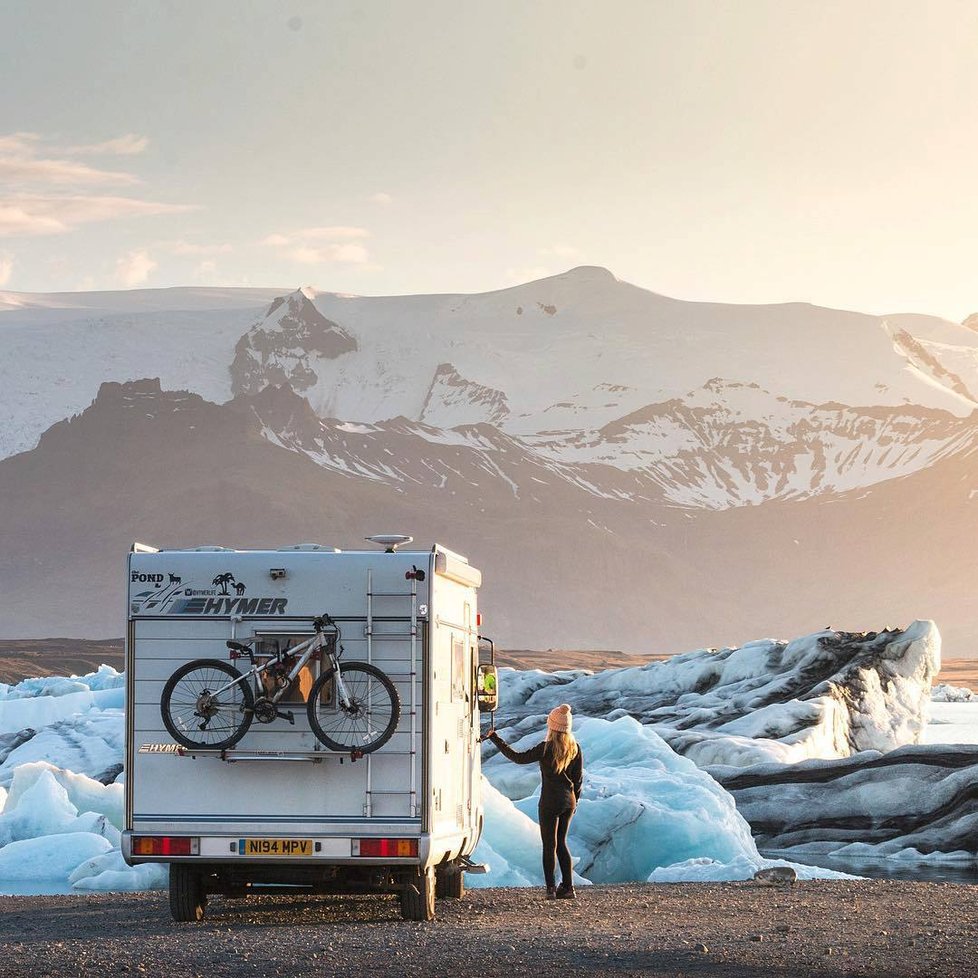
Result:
[[310, 547], [390, 541]]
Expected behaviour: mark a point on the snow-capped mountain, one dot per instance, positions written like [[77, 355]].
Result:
[[625, 429], [279, 349], [714, 405]]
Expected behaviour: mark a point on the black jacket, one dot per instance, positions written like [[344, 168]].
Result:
[[559, 789]]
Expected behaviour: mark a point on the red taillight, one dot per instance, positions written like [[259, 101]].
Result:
[[478, 618], [381, 848], [165, 845]]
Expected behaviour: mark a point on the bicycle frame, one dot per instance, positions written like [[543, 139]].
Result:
[[320, 642]]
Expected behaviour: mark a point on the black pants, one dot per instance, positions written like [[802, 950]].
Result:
[[553, 834]]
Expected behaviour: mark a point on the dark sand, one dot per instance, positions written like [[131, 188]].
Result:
[[735, 930]]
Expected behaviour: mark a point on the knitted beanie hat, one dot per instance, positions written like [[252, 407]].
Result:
[[560, 718]]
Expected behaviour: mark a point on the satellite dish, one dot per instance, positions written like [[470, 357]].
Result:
[[390, 541]]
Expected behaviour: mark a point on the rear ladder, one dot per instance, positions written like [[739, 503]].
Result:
[[386, 636]]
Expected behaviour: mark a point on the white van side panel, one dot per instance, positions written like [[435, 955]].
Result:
[[455, 764]]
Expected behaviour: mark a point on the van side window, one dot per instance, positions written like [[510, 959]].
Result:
[[460, 668], [266, 646]]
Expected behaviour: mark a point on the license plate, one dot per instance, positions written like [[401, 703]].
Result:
[[275, 847]]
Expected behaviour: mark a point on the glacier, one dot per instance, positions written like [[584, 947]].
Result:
[[709, 766]]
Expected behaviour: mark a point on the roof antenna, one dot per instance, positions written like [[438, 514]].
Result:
[[390, 541]]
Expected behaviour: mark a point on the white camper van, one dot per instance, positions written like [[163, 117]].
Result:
[[307, 717]]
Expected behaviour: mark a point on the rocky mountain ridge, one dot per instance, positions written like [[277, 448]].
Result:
[[728, 443]]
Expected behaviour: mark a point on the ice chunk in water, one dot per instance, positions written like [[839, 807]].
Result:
[[108, 872], [52, 857]]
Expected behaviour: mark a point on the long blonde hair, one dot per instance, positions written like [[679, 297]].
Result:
[[563, 748]]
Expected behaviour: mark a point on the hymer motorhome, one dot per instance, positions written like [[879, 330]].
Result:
[[305, 717]]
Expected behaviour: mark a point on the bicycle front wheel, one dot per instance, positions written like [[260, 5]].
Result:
[[368, 719], [195, 716]]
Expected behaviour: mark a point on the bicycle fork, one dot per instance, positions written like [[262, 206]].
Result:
[[343, 697]]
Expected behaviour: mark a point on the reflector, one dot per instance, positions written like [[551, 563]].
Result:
[[379, 848], [165, 845]]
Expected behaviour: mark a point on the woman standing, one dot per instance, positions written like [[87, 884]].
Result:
[[562, 772]]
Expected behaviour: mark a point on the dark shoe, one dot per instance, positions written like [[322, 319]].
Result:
[[566, 892], [551, 892]]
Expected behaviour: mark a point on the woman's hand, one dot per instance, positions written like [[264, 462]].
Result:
[[489, 734]]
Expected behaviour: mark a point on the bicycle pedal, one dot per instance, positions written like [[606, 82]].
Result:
[[290, 716]]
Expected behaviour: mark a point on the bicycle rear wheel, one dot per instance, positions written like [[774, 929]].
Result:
[[195, 717], [371, 716]]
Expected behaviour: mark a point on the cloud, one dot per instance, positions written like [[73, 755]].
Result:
[[38, 214], [134, 268], [343, 253], [382, 199], [561, 251], [14, 169], [19, 143], [305, 235], [337, 233], [338, 243], [47, 194], [185, 248], [17, 221], [6, 269], [128, 145], [20, 163]]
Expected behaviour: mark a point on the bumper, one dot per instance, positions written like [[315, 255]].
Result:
[[231, 849]]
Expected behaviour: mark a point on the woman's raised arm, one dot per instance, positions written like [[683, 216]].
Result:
[[519, 756]]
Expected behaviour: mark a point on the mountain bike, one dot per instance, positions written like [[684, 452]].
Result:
[[352, 706]]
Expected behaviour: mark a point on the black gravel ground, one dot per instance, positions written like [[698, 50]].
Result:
[[879, 928]]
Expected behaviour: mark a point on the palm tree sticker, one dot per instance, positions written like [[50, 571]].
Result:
[[222, 581]]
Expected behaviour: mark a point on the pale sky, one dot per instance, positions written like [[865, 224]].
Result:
[[746, 151]]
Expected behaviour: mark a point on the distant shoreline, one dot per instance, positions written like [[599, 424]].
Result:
[[27, 658]]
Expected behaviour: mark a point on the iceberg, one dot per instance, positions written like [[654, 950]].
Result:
[[50, 857], [108, 872], [914, 804], [946, 693], [643, 808], [828, 694], [61, 791]]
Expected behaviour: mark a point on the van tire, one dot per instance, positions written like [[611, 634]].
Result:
[[418, 896], [188, 898], [449, 882]]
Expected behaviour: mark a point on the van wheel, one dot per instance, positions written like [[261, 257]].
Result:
[[449, 883], [187, 895], [418, 896]]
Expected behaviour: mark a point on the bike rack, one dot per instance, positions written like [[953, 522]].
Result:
[[231, 755]]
